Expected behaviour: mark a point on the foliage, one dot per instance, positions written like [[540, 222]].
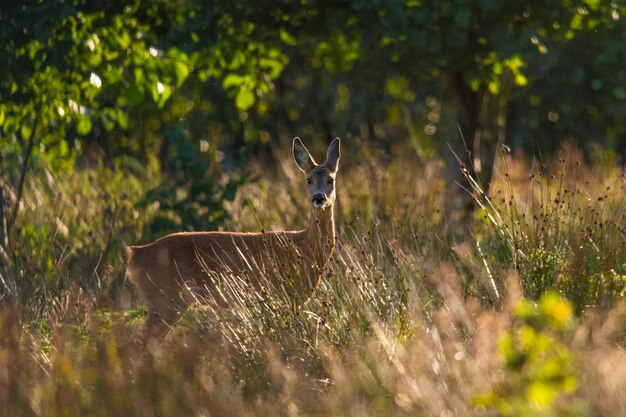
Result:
[[66, 252], [189, 196], [89, 68], [74, 66], [549, 112], [540, 368]]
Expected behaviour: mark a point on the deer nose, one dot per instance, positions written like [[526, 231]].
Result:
[[319, 198]]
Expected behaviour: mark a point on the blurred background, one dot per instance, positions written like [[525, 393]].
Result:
[[129, 120]]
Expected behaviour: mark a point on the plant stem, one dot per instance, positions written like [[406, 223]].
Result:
[[20, 188]]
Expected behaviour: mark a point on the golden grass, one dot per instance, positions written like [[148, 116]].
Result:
[[406, 321]]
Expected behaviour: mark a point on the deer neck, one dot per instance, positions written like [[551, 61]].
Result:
[[320, 235]]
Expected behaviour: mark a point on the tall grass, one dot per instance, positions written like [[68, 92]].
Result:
[[562, 226], [65, 250], [525, 317]]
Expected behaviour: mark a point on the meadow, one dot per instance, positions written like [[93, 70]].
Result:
[[519, 313]]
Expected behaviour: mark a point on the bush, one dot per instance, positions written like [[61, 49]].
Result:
[[540, 369]]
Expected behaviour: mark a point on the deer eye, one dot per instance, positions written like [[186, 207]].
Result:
[[330, 181], [309, 181]]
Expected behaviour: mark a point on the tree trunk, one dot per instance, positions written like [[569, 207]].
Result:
[[457, 128], [471, 128], [489, 135], [491, 131]]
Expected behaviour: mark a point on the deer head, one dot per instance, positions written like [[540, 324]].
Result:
[[320, 179]]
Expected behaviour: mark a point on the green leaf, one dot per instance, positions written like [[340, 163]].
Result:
[[122, 119], [521, 80], [399, 88], [139, 74], [556, 309], [26, 130], [9, 125], [182, 72], [123, 39], [83, 126], [63, 149], [238, 60], [494, 86], [245, 99], [475, 84], [322, 49], [232, 80], [287, 38]]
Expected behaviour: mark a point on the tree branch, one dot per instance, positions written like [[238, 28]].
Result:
[[20, 188]]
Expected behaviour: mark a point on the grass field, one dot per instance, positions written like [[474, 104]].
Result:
[[524, 316]]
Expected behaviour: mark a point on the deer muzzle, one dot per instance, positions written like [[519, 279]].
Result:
[[319, 199]]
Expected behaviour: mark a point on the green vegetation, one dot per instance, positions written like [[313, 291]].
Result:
[[405, 322], [565, 231], [503, 296]]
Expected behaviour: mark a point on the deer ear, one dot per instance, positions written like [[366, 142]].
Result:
[[332, 155], [302, 156]]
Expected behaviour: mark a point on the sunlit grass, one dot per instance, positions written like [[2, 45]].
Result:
[[524, 317], [562, 227]]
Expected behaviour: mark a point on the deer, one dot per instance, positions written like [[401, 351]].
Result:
[[169, 272]]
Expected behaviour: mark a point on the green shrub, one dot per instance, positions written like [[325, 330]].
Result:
[[189, 198], [540, 370]]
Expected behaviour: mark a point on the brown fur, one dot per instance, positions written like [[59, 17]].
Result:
[[172, 270]]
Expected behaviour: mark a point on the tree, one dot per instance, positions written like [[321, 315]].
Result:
[[147, 77], [476, 55], [582, 98]]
